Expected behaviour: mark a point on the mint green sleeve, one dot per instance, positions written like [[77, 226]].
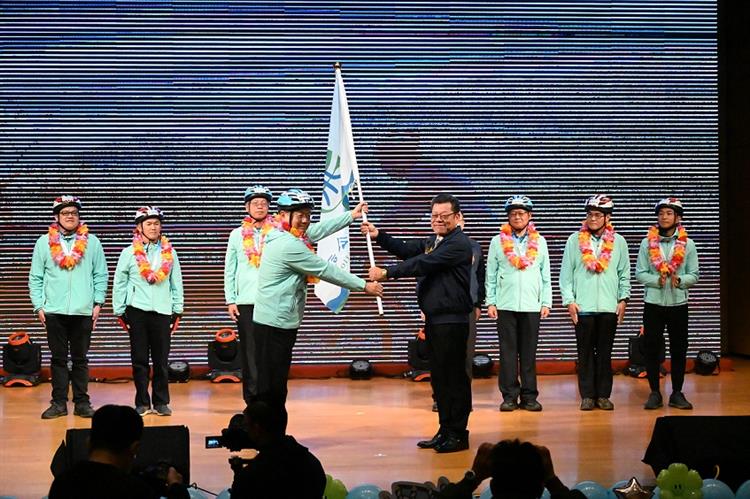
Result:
[[566, 271], [623, 270], [644, 271], [317, 231], [120, 284], [304, 261], [36, 274], [230, 271], [690, 272], [100, 272], [175, 286], [493, 267], [546, 275]]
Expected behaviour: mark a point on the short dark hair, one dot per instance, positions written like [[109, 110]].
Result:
[[115, 428], [260, 413], [517, 470], [447, 198]]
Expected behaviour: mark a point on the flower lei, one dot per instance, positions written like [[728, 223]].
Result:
[[678, 254], [280, 224], [248, 239], [592, 263], [144, 266], [532, 247], [67, 262]]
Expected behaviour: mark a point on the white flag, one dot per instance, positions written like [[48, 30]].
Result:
[[340, 175]]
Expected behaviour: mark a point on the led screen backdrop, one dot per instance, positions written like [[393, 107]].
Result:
[[185, 104]]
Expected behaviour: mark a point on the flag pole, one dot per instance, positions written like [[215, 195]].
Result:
[[355, 169]]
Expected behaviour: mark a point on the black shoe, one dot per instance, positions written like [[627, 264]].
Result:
[[508, 406], [605, 404], [587, 404], [654, 401], [162, 410], [84, 410], [434, 407], [678, 401], [531, 405], [142, 410], [452, 444], [55, 411], [431, 443]]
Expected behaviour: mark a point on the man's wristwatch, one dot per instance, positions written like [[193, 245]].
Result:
[[385, 274]]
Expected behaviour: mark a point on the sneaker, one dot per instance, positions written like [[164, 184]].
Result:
[[654, 401], [84, 410], [508, 406], [678, 401], [605, 404], [531, 405], [162, 410], [142, 410], [587, 404], [55, 411]]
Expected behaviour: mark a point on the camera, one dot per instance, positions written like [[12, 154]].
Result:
[[234, 437]]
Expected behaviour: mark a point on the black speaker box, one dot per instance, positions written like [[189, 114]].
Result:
[[706, 444], [159, 444]]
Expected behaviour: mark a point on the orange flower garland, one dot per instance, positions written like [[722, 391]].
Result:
[[144, 266], [67, 262], [532, 247], [248, 239], [280, 224], [588, 256], [678, 254]]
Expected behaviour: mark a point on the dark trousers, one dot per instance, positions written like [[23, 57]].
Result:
[[595, 335], [149, 333], [273, 358], [471, 343], [69, 332], [675, 319], [518, 333], [450, 383], [247, 353]]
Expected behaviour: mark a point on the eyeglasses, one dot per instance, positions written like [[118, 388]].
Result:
[[518, 214], [595, 215], [442, 216], [69, 213]]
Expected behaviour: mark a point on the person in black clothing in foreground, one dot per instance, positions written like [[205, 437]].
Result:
[[116, 432], [282, 468], [442, 265], [519, 470]]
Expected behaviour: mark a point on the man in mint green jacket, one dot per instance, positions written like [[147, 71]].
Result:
[[147, 297], [67, 285], [288, 265], [595, 287], [241, 264], [518, 295], [667, 266]]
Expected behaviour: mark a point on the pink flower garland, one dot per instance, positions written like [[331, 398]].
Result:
[[67, 262], [532, 247], [590, 261], [144, 266], [248, 238], [678, 254]]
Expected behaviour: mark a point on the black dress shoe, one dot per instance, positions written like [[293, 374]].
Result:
[[587, 404], [452, 444], [654, 401], [433, 442], [678, 401], [531, 405], [605, 404], [84, 410], [508, 406]]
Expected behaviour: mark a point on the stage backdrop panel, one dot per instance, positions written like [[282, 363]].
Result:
[[185, 104]]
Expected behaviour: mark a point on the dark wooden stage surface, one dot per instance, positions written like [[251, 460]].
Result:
[[365, 431]]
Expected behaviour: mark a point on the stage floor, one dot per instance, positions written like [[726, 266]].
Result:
[[366, 431]]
